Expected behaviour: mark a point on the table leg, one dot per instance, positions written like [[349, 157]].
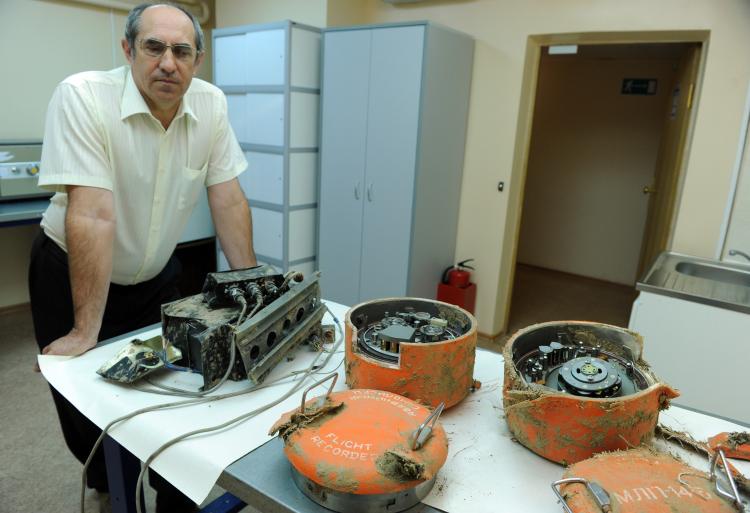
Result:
[[122, 473], [227, 503]]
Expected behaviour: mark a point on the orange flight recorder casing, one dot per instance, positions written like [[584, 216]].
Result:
[[363, 450], [430, 373], [639, 481], [567, 428]]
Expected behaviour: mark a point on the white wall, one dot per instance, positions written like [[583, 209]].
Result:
[[231, 13], [592, 152], [502, 29], [341, 13], [78, 38], [41, 43], [738, 232]]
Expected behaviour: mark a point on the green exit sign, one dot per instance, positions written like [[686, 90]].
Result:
[[639, 86]]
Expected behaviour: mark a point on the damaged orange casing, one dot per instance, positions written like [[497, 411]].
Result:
[[429, 373], [642, 481], [359, 442], [734, 445], [567, 428]]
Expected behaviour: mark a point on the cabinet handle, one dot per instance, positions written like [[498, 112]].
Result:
[[356, 191], [369, 192]]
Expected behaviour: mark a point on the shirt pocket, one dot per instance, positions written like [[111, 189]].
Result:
[[192, 181]]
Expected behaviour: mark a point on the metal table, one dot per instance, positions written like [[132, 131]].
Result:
[[30, 211], [263, 479]]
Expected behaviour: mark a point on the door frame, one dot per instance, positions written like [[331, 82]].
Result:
[[534, 45], [742, 161]]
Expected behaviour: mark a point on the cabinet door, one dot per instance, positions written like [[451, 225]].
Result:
[[342, 160], [392, 129], [254, 58]]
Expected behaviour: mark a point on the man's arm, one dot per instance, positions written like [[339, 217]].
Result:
[[234, 226], [89, 236]]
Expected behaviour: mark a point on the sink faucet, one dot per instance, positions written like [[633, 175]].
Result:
[[733, 252]]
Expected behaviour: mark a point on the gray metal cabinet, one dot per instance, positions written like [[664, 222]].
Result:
[[270, 74], [393, 126]]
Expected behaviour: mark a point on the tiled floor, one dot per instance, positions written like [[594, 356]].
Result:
[[541, 295]]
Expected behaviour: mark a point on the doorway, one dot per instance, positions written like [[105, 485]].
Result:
[[605, 151]]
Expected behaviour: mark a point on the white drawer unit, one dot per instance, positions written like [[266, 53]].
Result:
[[264, 179], [255, 57], [270, 75]]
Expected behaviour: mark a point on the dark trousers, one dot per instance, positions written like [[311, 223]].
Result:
[[128, 308]]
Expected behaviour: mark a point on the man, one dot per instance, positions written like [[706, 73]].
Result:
[[127, 152]]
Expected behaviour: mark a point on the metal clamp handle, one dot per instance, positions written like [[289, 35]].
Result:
[[424, 431], [369, 192], [600, 494], [356, 191], [335, 377], [734, 496]]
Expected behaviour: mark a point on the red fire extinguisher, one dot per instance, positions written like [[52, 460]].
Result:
[[456, 288]]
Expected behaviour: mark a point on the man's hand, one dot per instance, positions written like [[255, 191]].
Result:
[[89, 236], [234, 225], [72, 344]]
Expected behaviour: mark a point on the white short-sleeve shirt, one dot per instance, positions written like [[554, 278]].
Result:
[[100, 133]]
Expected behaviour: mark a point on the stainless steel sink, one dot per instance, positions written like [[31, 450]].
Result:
[[722, 284], [711, 272]]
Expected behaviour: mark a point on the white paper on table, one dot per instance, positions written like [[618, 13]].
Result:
[[486, 471], [195, 464]]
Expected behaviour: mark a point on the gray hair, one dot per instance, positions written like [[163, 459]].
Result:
[[133, 24]]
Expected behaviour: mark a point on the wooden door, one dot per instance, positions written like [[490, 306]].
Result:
[[670, 160]]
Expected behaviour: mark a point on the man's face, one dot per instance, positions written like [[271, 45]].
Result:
[[163, 80]]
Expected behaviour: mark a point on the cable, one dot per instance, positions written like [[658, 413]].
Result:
[[164, 406], [230, 423], [112, 423], [242, 301], [199, 400], [291, 275], [202, 393], [167, 390], [321, 369]]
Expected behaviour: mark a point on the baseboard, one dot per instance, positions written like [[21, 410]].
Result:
[[14, 308], [491, 338]]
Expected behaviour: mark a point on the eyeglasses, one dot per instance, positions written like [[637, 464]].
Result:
[[156, 48]]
